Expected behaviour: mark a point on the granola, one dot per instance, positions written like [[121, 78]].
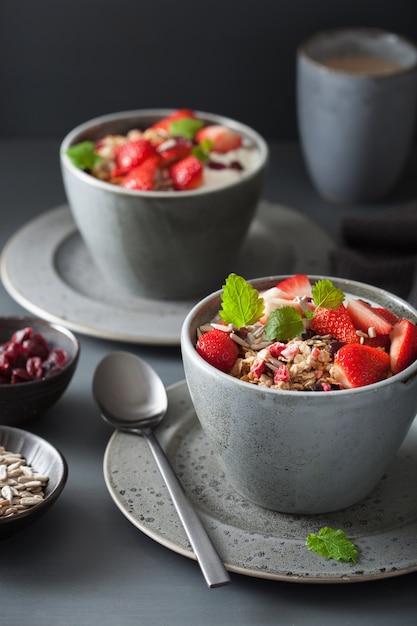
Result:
[[301, 364]]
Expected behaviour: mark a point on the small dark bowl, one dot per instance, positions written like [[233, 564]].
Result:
[[22, 402], [44, 459]]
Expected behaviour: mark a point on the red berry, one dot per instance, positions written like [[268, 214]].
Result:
[[298, 285], [365, 317], [218, 348], [388, 315], [142, 177], [356, 365], [131, 154], [165, 123], [403, 349], [335, 322], [172, 150], [187, 174], [223, 139]]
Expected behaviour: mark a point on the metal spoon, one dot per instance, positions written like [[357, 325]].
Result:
[[132, 398]]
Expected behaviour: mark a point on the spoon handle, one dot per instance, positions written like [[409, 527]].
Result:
[[208, 559]]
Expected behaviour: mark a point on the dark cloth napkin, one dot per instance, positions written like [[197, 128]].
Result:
[[381, 250]]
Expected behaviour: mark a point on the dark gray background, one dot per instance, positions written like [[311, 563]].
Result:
[[65, 61]]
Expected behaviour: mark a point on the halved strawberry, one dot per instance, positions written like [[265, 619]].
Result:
[[173, 149], [335, 322], [131, 154], [298, 285], [380, 341], [356, 365], [365, 317], [275, 302], [165, 123], [187, 174], [386, 314], [142, 177], [218, 348], [403, 349], [222, 139]]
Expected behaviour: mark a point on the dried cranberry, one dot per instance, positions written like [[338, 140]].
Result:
[[326, 387], [335, 346], [56, 359], [34, 367], [27, 356]]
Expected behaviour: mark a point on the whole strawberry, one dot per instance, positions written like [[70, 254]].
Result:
[[335, 322], [218, 348]]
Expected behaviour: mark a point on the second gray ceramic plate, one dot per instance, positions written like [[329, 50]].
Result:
[[47, 269]]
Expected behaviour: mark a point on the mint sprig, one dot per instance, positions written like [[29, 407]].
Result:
[[326, 295], [185, 127], [82, 155], [332, 544], [283, 324], [202, 150], [241, 304]]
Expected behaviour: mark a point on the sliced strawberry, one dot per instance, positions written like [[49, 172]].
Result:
[[222, 139], [258, 367], [386, 314], [365, 317], [380, 341], [173, 149], [165, 123], [187, 174], [142, 177], [356, 365], [131, 154], [298, 285], [218, 348], [271, 303], [335, 322], [403, 350]]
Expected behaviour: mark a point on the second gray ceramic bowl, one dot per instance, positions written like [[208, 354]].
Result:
[[295, 451], [168, 245]]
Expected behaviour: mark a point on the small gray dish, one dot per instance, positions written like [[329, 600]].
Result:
[[45, 460], [22, 402]]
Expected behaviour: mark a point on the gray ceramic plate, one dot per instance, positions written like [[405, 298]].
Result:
[[46, 268], [252, 540]]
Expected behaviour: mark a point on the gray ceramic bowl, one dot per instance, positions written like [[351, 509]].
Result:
[[169, 245], [44, 459], [301, 452], [22, 402]]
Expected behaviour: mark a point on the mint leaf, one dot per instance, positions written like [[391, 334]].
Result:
[[284, 323], [326, 295], [200, 153], [241, 304], [185, 127], [332, 544], [82, 155]]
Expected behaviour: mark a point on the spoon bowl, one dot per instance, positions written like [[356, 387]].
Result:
[[132, 397], [129, 392]]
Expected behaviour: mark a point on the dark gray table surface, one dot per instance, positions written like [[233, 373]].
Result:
[[84, 563]]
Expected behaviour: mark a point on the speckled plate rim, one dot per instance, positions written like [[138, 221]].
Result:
[[41, 287], [137, 489]]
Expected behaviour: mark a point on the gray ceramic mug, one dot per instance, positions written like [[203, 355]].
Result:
[[356, 107]]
